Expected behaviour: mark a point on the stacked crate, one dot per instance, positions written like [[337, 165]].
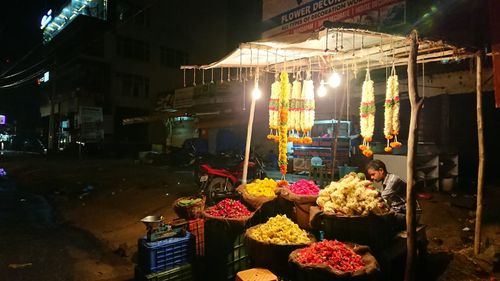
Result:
[[167, 259], [178, 273], [226, 252], [197, 228]]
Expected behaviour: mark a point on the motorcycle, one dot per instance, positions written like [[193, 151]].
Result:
[[187, 155], [218, 183]]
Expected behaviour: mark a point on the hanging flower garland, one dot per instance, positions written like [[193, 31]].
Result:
[[367, 114], [388, 107], [283, 122], [296, 107], [273, 111], [307, 116], [391, 114], [395, 110]]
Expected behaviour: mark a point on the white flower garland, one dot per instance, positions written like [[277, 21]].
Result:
[[273, 105], [295, 107], [388, 105], [391, 115], [395, 106], [308, 115], [367, 114]]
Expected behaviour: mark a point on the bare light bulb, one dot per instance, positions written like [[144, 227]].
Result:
[[322, 89], [334, 80], [256, 93]]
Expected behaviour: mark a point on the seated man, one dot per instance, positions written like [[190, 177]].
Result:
[[394, 189]]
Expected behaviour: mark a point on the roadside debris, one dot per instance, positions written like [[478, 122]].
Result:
[[20, 265]]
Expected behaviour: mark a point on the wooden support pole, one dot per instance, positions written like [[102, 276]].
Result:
[[249, 130], [248, 143], [480, 172], [416, 104]]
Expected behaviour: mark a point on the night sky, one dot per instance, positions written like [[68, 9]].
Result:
[[20, 35], [20, 27]]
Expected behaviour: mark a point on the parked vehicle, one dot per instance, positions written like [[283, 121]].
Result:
[[28, 144], [220, 182], [186, 155]]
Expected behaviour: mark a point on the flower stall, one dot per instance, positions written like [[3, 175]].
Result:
[[299, 64]]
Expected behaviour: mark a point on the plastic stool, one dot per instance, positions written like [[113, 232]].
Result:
[[256, 274]]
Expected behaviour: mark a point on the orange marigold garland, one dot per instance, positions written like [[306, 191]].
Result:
[[283, 122], [367, 114]]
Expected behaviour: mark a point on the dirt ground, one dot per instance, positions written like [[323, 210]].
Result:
[[106, 198]]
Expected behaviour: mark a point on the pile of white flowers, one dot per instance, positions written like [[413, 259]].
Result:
[[349, 196]]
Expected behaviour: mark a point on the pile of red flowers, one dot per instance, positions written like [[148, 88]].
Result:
[[332, 253], [229, 208], [304, 187]]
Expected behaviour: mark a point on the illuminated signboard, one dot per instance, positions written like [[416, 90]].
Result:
[[45, 78], [65, 124], [2, 119], [53, 23], [46, 19], [282, 17]]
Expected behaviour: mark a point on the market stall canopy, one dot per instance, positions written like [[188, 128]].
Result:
[[333, 49]]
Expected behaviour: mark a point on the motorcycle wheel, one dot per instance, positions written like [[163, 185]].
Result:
[[218, 189]]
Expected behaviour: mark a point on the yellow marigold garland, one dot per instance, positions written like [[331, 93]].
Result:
[[283, 123]]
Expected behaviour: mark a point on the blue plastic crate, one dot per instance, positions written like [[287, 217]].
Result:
[[165, 254], [178, 273]]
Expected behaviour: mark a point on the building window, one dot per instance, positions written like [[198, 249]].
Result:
[[132, 49], [173, 58], [134, 86]]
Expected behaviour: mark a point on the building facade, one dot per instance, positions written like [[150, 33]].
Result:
[[114, 59]]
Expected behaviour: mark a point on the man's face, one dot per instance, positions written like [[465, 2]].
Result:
[[376, 175]]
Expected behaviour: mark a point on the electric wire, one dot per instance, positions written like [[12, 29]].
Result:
[[26, 79]]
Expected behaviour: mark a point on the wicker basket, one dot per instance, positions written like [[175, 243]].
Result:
[[301, 206], [323, 272], [233, 224], [255, 201], [271, 256], [190, 212], [372, 230]]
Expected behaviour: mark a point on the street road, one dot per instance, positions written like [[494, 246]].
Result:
[[35, 246]]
